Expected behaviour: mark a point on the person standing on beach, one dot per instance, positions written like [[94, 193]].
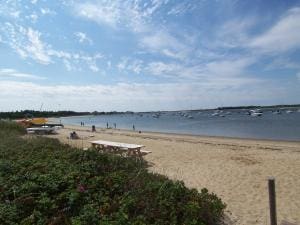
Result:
[[115, 125], [133, 127], [107, 125]]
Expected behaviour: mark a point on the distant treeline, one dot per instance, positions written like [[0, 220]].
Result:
[[256, 106], [32, 113]]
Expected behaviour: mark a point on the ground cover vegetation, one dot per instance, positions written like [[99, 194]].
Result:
[[45, 182]]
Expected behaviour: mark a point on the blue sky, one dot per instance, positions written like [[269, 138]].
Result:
[[148, 55]]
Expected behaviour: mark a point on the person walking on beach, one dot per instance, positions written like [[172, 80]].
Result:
[[107, 125], [133, 127], [115, 125]]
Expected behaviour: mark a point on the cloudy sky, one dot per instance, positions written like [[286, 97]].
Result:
[[148, 55]]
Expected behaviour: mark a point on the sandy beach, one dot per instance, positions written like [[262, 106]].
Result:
[[235, 169]]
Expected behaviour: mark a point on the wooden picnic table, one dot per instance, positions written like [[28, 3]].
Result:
[[123, 149]]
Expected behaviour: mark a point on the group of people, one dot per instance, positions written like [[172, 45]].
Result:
[[74, 135], [115, 126], [107, 126]]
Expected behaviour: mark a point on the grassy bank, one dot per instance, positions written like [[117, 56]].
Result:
[[45, 182]]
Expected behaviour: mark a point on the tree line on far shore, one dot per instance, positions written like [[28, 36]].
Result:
[[32, 113]]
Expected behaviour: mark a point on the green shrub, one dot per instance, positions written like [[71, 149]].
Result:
[[45, 182], [8, 127]]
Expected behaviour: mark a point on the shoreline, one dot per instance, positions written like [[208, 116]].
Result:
[[195, 139], [193, 132], [186, 134]]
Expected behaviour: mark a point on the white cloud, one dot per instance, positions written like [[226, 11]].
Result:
[[136, 17], [170, 70], [27, 43], [15, 14], [140, 97], [47, 11], [166, 44], [82, 37], [219, 69], [12, 73], [68, 65], [123, 64], [180, 8], [136, 66], [106, 12], [94, 67], [119, 14], [131, 65], [228, 68], [283, 36], [282, 63], [34, 1], [59, 54], [10, 9], [153, 7], [36, 48], [159, 40], [91, 61], [33, 17], [234, 33], [75, 61]]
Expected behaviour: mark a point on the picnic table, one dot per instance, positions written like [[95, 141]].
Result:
[[123, 149]]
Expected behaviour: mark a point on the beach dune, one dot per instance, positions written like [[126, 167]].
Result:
[[235, 169]]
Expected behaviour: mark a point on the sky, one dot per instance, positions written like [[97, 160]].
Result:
[[119, 55]]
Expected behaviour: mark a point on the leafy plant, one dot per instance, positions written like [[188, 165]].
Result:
[[45, 182]]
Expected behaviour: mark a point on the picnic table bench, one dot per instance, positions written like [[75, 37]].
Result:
[[123, 149]]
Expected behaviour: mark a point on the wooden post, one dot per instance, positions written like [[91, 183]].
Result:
[[272, 200]]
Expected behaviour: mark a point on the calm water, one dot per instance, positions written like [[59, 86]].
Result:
[[229, 123]]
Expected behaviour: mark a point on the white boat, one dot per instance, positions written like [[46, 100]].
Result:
[[41, 130], [156, 115], [255, 111], [289, 111], [186, 115], [215, 114], [256, 114]]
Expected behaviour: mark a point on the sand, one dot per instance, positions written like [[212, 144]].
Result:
[[235, 169]]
